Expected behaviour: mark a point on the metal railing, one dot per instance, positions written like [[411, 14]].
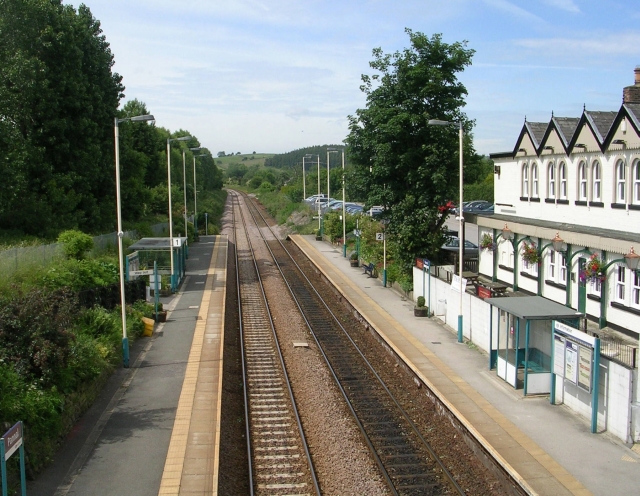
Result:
[[617, 350]]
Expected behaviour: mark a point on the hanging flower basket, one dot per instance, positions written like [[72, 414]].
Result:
[[486, 242], [530, 253], [592, 269]]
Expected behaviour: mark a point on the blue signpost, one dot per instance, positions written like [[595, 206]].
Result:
[[10, 442]]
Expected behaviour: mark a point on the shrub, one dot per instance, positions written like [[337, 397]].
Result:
[[420, 301], [75, 243]]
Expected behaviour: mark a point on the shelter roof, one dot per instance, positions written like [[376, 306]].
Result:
[[155, 243], [534, 308]]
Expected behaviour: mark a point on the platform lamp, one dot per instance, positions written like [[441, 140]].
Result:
[[169, 140], [304, 182], [116, 132], [461, 237], [344, 212], [195, 224]]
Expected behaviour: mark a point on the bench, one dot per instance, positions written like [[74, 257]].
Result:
[[369, 269]]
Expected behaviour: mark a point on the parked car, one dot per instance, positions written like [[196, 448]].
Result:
[[487, 209], [354, 209], [312, 199], [375, 211], [453, 246], [475, 206]]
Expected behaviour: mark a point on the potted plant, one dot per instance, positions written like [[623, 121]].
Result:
[[353, 259], [530, 253], [420, 310], [161, 315], [486, 242]]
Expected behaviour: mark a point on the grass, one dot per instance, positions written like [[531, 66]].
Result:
[[247, 159]]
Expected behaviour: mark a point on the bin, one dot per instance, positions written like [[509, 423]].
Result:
[[441, 307], [148, 326]]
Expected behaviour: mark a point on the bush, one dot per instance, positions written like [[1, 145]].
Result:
[[75, 243], [420, 301]]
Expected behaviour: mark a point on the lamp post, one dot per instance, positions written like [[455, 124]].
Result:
[[344, 213], [116, 132], [319, 217], [195, 194], [329, 150], [461, 237], [304, 182], [169, 140]]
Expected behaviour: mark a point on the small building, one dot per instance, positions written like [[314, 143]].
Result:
[[146, 251]]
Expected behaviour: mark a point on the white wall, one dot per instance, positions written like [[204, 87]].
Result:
[[616, 381]]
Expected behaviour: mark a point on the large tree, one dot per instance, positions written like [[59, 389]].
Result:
[[401, 162], [58, 98]]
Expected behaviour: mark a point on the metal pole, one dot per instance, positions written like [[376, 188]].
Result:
[[344, 218], [319, 220], [123, 312], [195, 199], [170, 214], [461, 236], [328, 179], [206, 224], [304, 183], [184, 185]]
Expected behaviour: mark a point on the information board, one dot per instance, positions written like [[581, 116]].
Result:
[[558, 355], [571, 362], [585, 359]]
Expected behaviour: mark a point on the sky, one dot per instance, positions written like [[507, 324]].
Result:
[[271, 76]]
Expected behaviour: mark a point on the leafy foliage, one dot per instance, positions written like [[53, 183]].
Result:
[[75, 243], [401, 162]]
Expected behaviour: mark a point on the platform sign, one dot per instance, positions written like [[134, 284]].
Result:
[[558, 355], [141, 272], [458, 284], [11, 442], [379, 236], [176, 242], [357, 232]]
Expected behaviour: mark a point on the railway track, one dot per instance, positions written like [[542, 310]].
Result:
[[403, 456], [279, 459]]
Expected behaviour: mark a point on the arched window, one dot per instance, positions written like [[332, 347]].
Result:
[[621, 181], [525, 180], [534, 180], [551, 180], [582, 178], [636, 182], [596, 192], [562, 176]]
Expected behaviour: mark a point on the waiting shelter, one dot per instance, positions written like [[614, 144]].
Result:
[[521, 340], [146, 251]]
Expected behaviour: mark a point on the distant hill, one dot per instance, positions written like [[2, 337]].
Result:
[[247, 159], [293, 159]]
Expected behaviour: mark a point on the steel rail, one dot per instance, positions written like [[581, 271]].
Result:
[[403, 412], [283, 369]]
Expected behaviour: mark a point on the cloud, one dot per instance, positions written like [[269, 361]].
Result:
[[624, 43], [514, 11], [568, 5]]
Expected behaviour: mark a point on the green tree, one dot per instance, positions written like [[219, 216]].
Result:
[[401, 162], [58, 98]]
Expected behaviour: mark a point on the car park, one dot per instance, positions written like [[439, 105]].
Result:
[[452, 245]]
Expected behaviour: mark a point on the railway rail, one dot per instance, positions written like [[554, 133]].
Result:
[[279, 459], [404, 457]]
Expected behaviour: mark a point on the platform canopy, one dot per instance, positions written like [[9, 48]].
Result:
[[148, 244], [534, 308]]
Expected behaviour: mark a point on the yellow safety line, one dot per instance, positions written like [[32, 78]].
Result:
[[554, 468], [172, 473]]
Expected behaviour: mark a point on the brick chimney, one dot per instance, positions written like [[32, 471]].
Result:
[[631, 94]]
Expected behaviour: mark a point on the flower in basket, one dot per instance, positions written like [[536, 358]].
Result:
[[593, 268], [486, 242], [530, 253]]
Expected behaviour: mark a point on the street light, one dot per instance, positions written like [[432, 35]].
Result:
[[169, 140], [461, 237], [116, 132], [329, 150], [304, 182], [344, 213], [319, 218], [195, 190]]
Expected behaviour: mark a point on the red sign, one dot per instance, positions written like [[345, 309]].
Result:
[[419, 263], [484, 292]]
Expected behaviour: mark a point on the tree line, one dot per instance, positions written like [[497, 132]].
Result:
[[58, 100]]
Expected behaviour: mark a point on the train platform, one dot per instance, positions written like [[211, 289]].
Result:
[[549, 449], [154, 429]]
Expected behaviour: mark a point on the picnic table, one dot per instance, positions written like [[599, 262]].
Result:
[[495, 288]]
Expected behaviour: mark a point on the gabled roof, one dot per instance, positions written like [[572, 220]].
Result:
[[536, 131], [600, 123], [566, 127], [633, 112]]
